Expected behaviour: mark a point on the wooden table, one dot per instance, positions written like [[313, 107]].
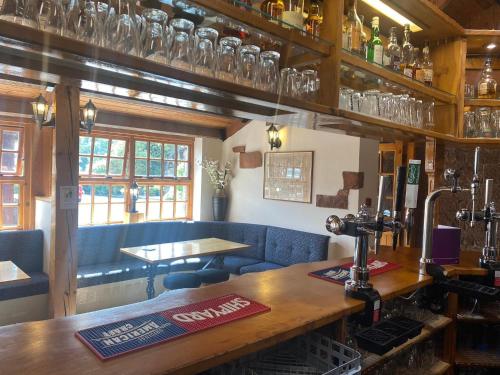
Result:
[[155, 254], [10, 273]]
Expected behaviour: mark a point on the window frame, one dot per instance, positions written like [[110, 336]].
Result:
[[128, 175], [18, 178]]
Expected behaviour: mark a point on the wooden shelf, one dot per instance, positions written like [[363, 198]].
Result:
[[417, 88], [432, 326], [435, 23], [476, 358], [482, 102], [489, 313], [293, 36], [478, 39], [59, 57], [439, 368], [386, 128], [479, 141]]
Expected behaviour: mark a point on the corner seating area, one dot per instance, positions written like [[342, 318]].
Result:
[[100, 260]]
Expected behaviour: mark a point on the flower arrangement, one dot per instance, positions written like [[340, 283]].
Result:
[[218, 176]]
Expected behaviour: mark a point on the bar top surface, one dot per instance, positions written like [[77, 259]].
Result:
[[179, 250], [298, 303]]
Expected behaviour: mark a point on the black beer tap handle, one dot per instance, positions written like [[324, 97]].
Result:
[[398, 207]]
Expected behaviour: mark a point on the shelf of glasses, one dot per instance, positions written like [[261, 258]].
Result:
[[482, 102], [433, 325], [399, 131], [36, 50], [477, 40], [435, 24], [254, 18], [378, 76]]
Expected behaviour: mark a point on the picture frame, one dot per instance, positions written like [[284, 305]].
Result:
[[288, 176]]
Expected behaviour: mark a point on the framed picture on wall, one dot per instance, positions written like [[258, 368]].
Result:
[[288, 176]]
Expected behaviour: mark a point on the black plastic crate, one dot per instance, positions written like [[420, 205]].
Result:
[[375, 340], [412, 327], [400, 333]]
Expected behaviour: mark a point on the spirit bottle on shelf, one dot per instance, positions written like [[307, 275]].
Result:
[[392, 54], [418, 72], [364, 38], [407, 54], [427, 65], [487, 86], [314, 18], [293, 13], [375, 49], [273, 8], [355, 28]]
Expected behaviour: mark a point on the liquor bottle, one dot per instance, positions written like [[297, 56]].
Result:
[[487, 86], [314, 18], [375, 49], [392, 54], [355, 28], [363, 36], [273, 8], [407, 54], [293, 13], [427, 65], [416, 65]]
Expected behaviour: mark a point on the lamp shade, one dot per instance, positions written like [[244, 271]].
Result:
[[40, 110], [88, 115], [273, 135]]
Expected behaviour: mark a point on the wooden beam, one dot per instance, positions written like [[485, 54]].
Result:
[[233, 129], [112, 119], [64, 225]]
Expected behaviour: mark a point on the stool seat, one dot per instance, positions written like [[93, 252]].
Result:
[[212, 275], [181, 280]]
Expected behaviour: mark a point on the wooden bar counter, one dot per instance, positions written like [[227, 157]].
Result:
[[299, 303]]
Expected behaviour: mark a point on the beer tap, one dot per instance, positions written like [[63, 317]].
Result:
[[361, 226], [474, 186]]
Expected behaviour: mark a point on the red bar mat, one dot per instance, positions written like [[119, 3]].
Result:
[[340, 274], [115, 339]]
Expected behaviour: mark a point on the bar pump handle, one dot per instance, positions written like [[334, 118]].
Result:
[[383, 184], [400, 187], [477, 153], [398, 207]]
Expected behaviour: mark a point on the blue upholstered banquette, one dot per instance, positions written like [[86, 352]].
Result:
[[25, 249], [100, 260]]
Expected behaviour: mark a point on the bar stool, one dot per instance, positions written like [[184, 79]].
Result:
[[212, 275], [181, 281]]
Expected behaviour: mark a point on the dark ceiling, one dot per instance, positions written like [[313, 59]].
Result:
[[473, 14]]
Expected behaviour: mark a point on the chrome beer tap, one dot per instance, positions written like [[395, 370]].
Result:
[[362, 225], [474, 186], [450, 175]]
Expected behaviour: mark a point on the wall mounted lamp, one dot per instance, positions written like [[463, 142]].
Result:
[[88, 114], [274, 136]]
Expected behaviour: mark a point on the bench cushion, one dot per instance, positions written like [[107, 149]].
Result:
[[259, 267], [38, 284], [24, 248], [181, 281], [212, 275], [286, 247], [233, 263]]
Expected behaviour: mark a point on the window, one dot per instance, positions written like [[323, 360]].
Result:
[[101, 203], [161, 167], [11, 178], [101, 156], [157, 160]]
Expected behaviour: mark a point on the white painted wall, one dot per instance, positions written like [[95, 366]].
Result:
[[333, 153], [204, 148]]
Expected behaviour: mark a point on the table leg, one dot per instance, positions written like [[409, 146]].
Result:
[[218, 260], [151, 270]]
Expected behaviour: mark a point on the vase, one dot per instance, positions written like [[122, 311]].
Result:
[[219, 204]]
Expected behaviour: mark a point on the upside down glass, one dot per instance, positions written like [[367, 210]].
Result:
[[248, 60], [290, 82], [204, 58], [227, 61], [12, 11], [268, 77], [155, 43], [309, 87], [180, 51], [88, 24], [345, 98], [51, 16]]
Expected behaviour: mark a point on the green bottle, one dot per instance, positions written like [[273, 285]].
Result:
[[375, 51]]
